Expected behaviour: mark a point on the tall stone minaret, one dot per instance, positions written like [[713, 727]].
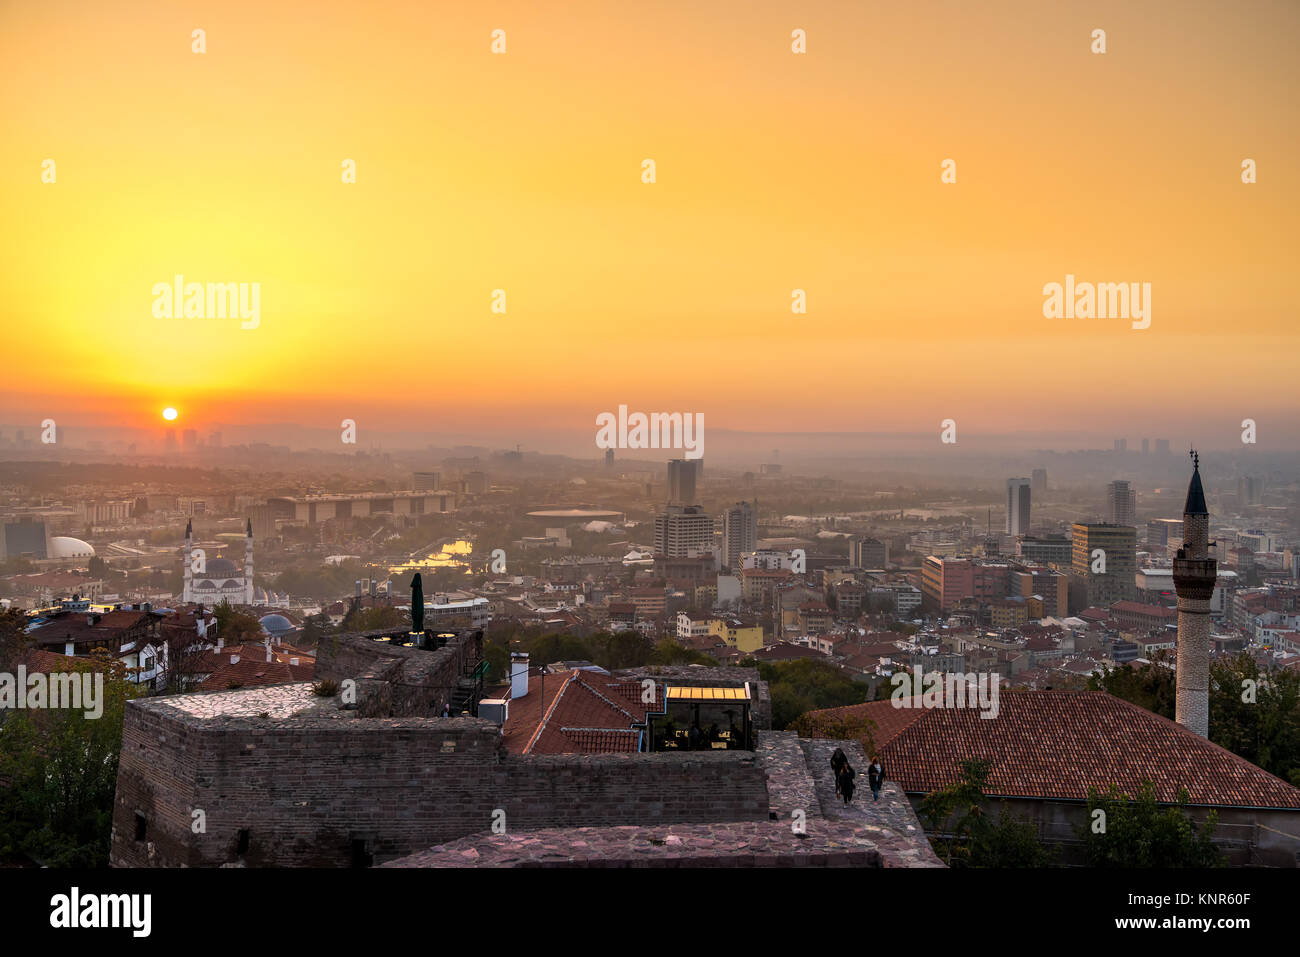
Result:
[[187, 591], [1194, 575], [248, 565]]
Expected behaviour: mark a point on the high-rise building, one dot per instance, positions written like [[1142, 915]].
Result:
[[1250, 490], [24, 537], [169, 441], [609, 458], [739, 533], [1051, 550], [261, 519], [868, 553], [1162, 446], [1164, 533], [190, 440], [1105, 562], [681, 482], [1146, 446], [1121, 503], [214, 439], [1018, 506], [683, 531], [1121, 445], [1195, 573], [1038, 483]]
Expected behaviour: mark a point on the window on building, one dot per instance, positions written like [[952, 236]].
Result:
[[141, 826]]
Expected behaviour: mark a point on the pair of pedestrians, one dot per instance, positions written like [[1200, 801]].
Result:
[[844, 775]]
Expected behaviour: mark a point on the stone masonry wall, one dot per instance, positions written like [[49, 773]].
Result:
[[336, 790]]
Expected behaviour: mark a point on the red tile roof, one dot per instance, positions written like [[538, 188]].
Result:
[[1056, 744], [581, 712]]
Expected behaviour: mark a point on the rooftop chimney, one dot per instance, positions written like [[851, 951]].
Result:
[[518, 674]]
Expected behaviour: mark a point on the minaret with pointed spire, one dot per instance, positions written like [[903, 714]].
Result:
[[248, 565], [187, 591], [1195, 573]]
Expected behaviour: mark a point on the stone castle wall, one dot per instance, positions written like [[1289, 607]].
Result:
[[333, 790]]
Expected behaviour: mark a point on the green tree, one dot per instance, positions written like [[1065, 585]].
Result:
[[1256, 714], [236, 627], [806, 684], [14, 640], [59, 774], [844, 727], [375, 619], [963, 833], [1137, 832], [1151, 686], [669, 652]]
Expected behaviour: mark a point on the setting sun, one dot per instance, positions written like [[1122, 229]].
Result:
[[169, 414]]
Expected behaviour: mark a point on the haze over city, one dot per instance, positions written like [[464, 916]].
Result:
[[667, 436]]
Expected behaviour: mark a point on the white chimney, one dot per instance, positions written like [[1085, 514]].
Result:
[[268, 649], [221, 643], [518, 674]]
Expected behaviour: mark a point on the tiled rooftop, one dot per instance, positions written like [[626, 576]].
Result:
[[1055, 744]]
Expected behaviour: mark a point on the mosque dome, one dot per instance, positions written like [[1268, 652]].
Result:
[[220, 568], [276, 624]]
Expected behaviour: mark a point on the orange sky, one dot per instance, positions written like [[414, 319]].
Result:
[[775, 171]]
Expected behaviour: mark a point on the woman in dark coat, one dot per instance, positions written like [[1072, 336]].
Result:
[[875, 777], [838, 760], [847, 774]]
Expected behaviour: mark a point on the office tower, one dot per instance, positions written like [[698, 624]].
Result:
[[609, 458], [426, 481], [1162, 446], [1121, 503], [1052, 550], [683, 531], [1164, 533], [190, 440], [1250, 489], [25, 537], [1038, 483], [1121, 445], [681, 482], [262, 519], [1018, 506], [169, 440], [1105, 561], [1146, 446], [868, 553], [1195, 573], [739, 533]]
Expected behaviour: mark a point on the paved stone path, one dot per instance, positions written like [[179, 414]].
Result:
[[886, 834], [892, 814]]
